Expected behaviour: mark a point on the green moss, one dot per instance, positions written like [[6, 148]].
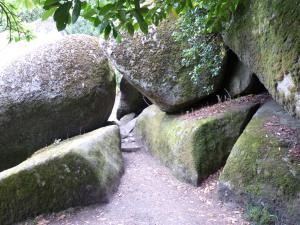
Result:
[[260, 168], [79, 171], [260, 215], [31, 192], [265, 35], [262, 164], [192, 148]]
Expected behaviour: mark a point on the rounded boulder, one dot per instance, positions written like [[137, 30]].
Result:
[[54, 91]]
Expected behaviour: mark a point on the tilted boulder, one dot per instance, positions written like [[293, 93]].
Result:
[[79, 171], [264, 165], [193, 145], [266, 37], [153, 65], [132, 101], [55, 91]]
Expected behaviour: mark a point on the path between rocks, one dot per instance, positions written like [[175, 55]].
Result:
[[150, 195]]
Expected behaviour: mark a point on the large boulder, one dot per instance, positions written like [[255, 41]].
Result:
[[54, 91], [264, 165], [194, 145], [153, 65], [132, 101], [83, 170], [266, 37], [240, 80]]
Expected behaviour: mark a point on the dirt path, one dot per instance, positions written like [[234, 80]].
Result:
[[150, 195]]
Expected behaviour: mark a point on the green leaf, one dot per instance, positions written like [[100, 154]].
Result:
[[119, 38], [76, 11], [62, 16], [50, 3], [48, 13], [107, 31], [130, 28], [103, 26], [106, 9], [115, 32], [142, 23], [122, 15]]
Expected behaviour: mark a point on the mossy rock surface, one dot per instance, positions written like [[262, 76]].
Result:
[[266, 37], [193, 148], [131, 101], [55, 91], [264, 164], [153, 64], [79, 171]]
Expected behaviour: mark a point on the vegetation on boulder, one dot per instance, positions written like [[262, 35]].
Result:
[[204, 52], [112, 17], [152, 63]]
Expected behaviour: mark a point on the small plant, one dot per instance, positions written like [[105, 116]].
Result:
[[260, 215], [204, 52]]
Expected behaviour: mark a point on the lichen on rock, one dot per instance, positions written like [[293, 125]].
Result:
[[57, 90], [265, 36], [152, 63], [79, 171], [193, 148], [264, 165]]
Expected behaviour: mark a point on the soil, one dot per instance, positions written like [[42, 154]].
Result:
[[210, 110], [150, 195], [288, 135]]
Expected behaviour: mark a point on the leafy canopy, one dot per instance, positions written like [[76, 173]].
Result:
[[114, 16]]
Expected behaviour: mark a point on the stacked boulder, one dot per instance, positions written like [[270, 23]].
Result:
[[153, 65], [79, 171], [239, 79], [264, 168], [131, 101], [269, 44], [264, 165], [55, 91], [193, 145]]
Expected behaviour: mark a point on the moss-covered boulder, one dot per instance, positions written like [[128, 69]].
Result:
[[193, 145], [266, 37], [153, 65], [79, 171], [55, 91], [131, 101], [264, 164]]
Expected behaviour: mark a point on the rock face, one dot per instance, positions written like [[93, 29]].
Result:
[[79, 171], [266, 37], [53, 92], [264, 164], [153, 65], [239, 79], [132, 101], [192, 146]]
